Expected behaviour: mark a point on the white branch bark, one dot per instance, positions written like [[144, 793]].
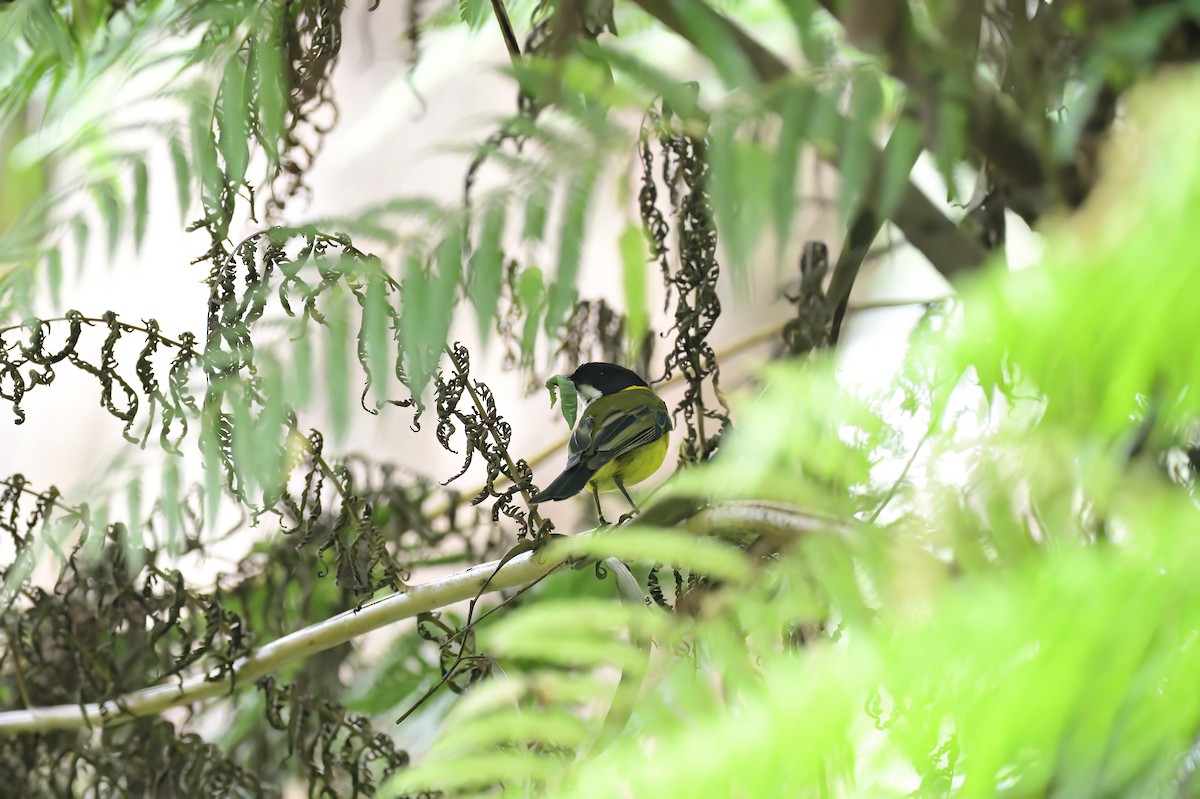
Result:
[[269, 658]]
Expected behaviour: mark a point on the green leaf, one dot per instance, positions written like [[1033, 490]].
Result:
[[183, 176], [574, 631], [474, 12], [172, 492], [242, 441], [570, 399], [722, 161], [302, 368], [794, 107], [901, 153], [634, 258], [817, 49], [272, 91], [270, 429], [858, 159], [555, 728], [563, 293], [108, 200], [214, 477], [429, 300], [374, 333], [141, 202], [415, 318], [233, 124], [531, 296], [54, 274], [952, 121], [133, 543], [337, 362], [81, 234], [487, 270], [718, 43], [740, 171], [96, 533], [204, 153], [536, 204], [710, 556]]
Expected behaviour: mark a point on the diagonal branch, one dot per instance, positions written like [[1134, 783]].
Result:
[[770, 522], [506, 31], [863, 230], [303, 643], [949, 249]]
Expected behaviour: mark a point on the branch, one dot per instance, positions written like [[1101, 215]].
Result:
[[861, 235], [768, 520], [506, 31], [303, 643], [949, 249], [996, 127]]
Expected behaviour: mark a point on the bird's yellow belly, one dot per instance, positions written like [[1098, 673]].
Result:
[[631, 468]]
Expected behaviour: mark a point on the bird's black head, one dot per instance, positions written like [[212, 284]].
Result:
[[605, 378]]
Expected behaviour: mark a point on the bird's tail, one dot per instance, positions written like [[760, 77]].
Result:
[[567, 484]]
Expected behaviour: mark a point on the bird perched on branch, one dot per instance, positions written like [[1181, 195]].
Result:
[[621, 438]]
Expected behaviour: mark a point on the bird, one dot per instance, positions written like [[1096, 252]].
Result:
[[620, 438]]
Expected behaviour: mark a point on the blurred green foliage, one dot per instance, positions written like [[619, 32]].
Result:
[[973, 582]]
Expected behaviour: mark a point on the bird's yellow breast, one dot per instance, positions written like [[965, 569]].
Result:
[[632, 467]]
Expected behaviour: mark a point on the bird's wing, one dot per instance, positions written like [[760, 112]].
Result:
[[623, 430], [581, 439]]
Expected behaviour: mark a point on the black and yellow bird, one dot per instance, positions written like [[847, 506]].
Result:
[[619, 440]]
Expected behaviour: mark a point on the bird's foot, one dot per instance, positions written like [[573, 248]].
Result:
[[627, 517]]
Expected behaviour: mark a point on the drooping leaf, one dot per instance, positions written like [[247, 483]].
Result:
[[741, 176], [570, 399], [81, 232], [635, 257], [794, 107], [474, 12], [429, 301], [183, 176], [901, 153], [302, 369], [134, 542], [375, 327], [271, 93], [54, 274], [108, 200], [270, 429], [858, 152], [141, 201], [232, 119], [337, 362], [204, 152], [531, 295], [562, 293], [171, 504], [537, 203], [487, 270]]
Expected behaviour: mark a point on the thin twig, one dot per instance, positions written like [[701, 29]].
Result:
[[506, 31], [900, 480], [90, 321]]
